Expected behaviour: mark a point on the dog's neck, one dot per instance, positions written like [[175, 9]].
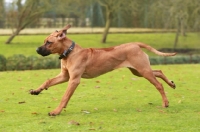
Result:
[[68, 51]]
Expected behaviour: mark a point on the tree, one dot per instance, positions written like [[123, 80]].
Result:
[[24, 14], [111, 7], [2, 10], [179, 14], [70, 9], [194, 17], [178, 10]]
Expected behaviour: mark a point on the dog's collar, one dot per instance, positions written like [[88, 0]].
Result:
[[66, 52]]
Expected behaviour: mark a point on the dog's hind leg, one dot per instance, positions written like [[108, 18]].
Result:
[[152, 79], [135, 72], [62, 77], [149, 75], [158, 73]]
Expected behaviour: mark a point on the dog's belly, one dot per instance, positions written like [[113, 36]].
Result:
[[96, 71], [93, 74], [124, 64]]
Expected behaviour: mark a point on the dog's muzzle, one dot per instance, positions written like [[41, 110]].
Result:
[[43, 51]]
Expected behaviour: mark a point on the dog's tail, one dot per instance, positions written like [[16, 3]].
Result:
[[142, 45]]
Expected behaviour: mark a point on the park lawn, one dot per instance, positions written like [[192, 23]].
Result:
[[116, 101], [26, 44]]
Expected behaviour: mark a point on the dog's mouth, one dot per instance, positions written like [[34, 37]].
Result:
[[43, 51]]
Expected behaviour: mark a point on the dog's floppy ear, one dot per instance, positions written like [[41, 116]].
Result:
[[66, 28], [61, 36], [63, 32]]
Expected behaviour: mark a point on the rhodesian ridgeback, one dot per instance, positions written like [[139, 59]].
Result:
[[78, 62]]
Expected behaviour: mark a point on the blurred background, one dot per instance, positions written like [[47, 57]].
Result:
[[168, 25], [96, 13], [182, 15]]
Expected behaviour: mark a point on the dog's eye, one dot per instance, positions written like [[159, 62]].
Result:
[[48, 42]]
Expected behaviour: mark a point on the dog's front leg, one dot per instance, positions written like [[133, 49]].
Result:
[[62, 77], [73, 83]]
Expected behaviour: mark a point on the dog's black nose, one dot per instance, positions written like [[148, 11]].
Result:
[[38, 50], [43, 51]]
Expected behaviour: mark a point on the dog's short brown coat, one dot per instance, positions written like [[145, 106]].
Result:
[[92, 62]]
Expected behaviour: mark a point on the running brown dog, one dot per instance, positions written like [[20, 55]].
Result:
[[77, 63]]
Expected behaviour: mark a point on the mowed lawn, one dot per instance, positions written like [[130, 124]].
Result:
[[116, 101]]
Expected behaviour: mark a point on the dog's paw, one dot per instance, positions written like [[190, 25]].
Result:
[[33, 92], [173, 85], [53, 113], [165, 104]]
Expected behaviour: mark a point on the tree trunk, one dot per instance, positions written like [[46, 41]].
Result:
[[107, 27], [183, 28], [177, 34], [13, 36]]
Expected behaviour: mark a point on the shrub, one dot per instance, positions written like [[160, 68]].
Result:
[[50, 63], [155, 60], [20, 62], [181, 60], [195, 59], [30, 62], [175, 60], [16, 62], [2, 63], [43, 62]]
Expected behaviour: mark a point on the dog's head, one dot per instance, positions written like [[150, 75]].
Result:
[[53, 43]]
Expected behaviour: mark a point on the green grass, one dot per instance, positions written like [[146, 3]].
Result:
[[116, 101], [26, 44]]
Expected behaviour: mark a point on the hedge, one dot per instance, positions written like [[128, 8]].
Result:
[[21, 62], [185, 59], [2, 63]]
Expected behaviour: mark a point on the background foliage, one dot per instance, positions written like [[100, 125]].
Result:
[[182, 15]]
